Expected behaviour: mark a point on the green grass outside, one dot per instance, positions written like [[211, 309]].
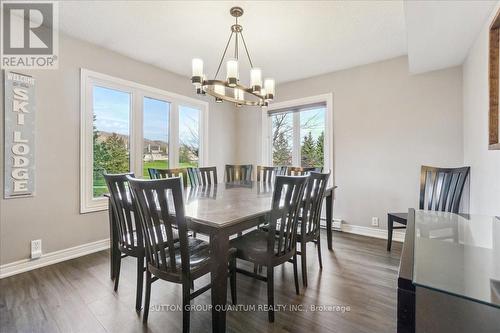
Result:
[[100, 188]]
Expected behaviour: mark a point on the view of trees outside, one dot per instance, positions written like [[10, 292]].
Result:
[[110, 135], [282, 131], [155, 132], [312, 128], [312, 134], [189, 138]]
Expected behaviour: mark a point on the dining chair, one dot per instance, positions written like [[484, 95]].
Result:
[[161, 206], [238, 172], [169, 173], [310, 218], [299, 171], [278, 244], [130, 239], [441, 189], [202, 176], [266, 174], [281, 170]]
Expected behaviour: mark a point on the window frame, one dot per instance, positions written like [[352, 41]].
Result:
[[266, 146], [137, 91]]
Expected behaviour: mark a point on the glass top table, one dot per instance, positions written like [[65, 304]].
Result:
[[458, 254]]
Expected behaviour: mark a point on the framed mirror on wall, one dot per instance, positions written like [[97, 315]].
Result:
[[494, 58]]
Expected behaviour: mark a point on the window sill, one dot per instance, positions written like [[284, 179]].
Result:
[[95, 205]]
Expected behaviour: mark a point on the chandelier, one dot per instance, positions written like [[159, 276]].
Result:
[[230, 89]]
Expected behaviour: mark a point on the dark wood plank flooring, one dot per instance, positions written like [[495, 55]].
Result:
[[77, 296]]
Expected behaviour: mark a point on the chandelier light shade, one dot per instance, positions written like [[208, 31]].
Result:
[[232, 73], [231, 89], [197, 71], [256, 79], [269, 89]]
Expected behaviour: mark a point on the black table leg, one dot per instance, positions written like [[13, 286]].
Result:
[[112, 239], [219, 243], [390, 225], [329, 205]]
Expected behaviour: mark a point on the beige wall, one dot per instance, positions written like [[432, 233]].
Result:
[[53, 214], [386, 124], [485, 164]]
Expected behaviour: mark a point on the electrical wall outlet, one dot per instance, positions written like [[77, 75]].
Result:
[[374, 221], [337, 224], [36, 248]]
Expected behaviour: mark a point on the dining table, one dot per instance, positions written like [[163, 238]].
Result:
[[220, 211]]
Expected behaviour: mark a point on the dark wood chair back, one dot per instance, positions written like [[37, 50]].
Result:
[[311, 211], [161, 206], [441, 189], [202, 176], [284, 215], [281, 170], [299, 171], [154, 173], [169, 173], [238, 172], [266, 174], [129, 233]]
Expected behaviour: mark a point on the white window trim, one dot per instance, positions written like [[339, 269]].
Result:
[[137, 91], [266, 151]]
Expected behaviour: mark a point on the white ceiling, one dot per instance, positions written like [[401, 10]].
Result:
[[440, 33], [289, 40]]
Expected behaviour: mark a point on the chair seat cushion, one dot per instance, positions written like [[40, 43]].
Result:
[[265, 227], [252, 246], [199, 254]]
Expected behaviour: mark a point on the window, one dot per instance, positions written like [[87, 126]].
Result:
[[129, 127], [312, 137], [155, 134], [111, 135], [282, 138], [298, 136], [189, 138], [299, 133]]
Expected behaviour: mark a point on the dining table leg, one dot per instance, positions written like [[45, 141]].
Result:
[[112, 240], [114, 252], [219, 243], [329, 207]]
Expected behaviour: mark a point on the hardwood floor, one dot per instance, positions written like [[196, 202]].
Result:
[[77, 296]]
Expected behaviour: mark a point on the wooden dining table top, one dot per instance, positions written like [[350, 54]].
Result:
[[223, 205]]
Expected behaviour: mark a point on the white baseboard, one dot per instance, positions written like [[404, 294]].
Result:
[[25, 265], [397, 235]]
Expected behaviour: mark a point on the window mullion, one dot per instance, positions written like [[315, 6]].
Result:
[[173, 149], [268, 141], [296, 139], [137, 115], [201, 133]]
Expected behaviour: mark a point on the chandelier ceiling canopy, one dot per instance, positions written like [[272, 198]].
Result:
[[230, 88]]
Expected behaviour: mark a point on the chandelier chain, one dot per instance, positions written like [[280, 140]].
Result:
[[236, 47], [246, 49], [223, 55]]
